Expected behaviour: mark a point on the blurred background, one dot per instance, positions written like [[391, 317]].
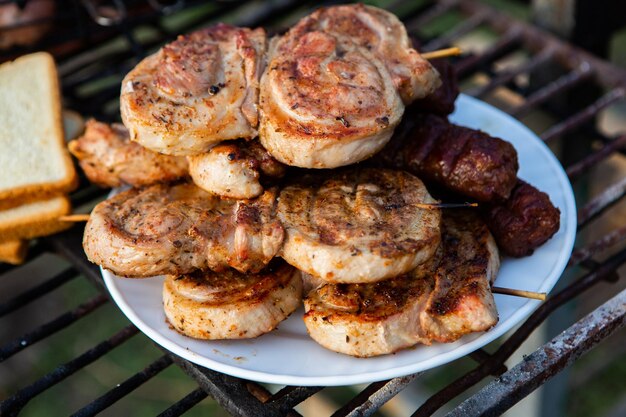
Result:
[[594, 386]]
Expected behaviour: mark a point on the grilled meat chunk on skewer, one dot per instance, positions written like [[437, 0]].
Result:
[[196, 91], [178, 229], [520, 223], [525, 221], [233, 169], [229, 304], [358, 226], [110, 159], [333, 89], [463, 160], [461, 301], [441, 303]]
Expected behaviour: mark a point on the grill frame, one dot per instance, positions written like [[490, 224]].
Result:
[[245, 398]]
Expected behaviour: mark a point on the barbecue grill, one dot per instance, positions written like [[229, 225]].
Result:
[[97, 42]]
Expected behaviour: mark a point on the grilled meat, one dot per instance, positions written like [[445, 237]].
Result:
[[229, 304], [461, 301], [441, 303], [179, 229], [233, 169], [110, 159], [441, 101], [333, 90], [196, 91], [358, 225], [463, 160], [525, 221]]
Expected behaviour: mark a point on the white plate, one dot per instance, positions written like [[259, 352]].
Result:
[[288, 356]]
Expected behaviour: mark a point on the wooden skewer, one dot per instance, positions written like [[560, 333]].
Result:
[[442, 53], [74, 218], [432, 206], [520, 293]]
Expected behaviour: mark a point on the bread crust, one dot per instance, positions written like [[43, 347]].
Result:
[[13, 251], [37, 224]]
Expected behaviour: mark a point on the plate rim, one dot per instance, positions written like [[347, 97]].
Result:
[[482, 339]]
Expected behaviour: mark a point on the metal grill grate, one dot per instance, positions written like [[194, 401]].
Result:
[[106, 40]]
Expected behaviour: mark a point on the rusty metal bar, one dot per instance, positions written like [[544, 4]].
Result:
[[374, 396], [545, 362], [583, 165], [185, 404], [553, 89], [536, 39], [507, 76], [507, 42], [37, 291], [465, 27], [13, 405], [230, 393], [605, 242], [17, 345], [600, 203], [290, 396], [124, 388], [434, 12], [480, 356], [583, 116]]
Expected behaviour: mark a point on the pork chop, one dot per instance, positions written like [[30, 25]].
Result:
[[110, 159], [358, 225], [229, 304], [441, 303], [178, 229], [197, 91]]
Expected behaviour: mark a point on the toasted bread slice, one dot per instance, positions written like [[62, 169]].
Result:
[[34, 159], [35, 219], [13, 251]]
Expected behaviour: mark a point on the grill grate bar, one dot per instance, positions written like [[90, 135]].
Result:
[[507, 43], [38, 291], [436, 10], [224, 388], [87, 195], [605, 242], [545, 362], [583, 165], [290, 396], [33, 252], [556, 87], [179, 408], [471, 378], [600, 203], [462, 29], [124, 388], [53, 326], [480, 356], [14, 404], [528, 67], [69, 245], [374, 396], [584, 116]]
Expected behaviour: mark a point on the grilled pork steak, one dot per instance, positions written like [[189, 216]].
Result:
[[446, 300], [196, 91], [179, 229], [110, 159], [233, 169], [333, 89], [358, 226], [229, 304]]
